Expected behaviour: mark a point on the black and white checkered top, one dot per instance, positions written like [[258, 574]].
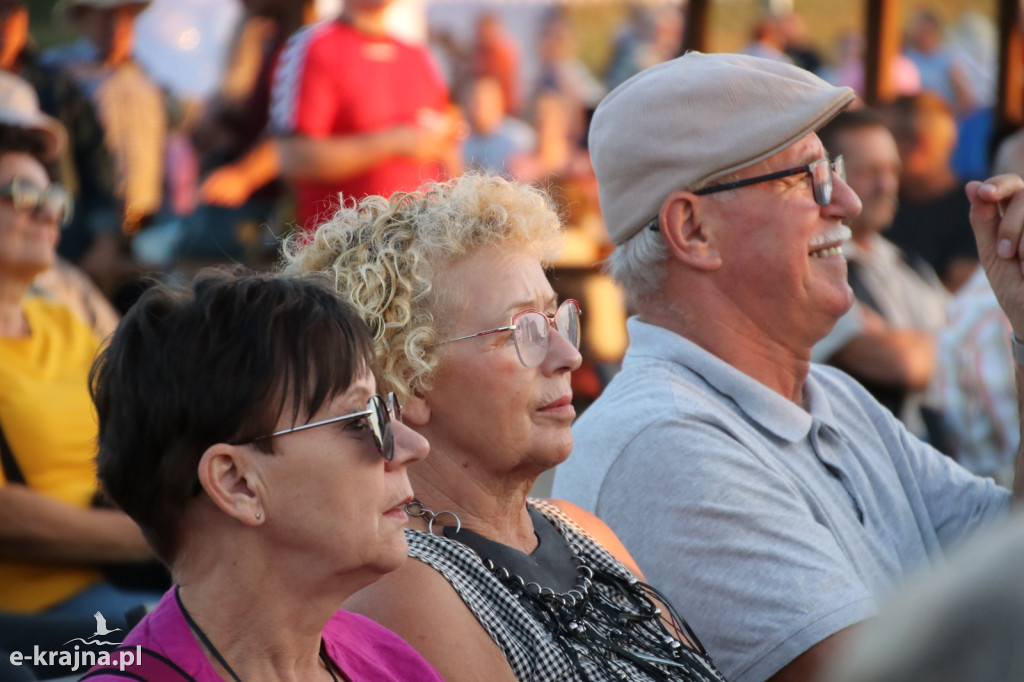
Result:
[[528, 644]]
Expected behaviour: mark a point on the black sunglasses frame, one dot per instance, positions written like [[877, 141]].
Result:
[[379, 409], [822, 190]]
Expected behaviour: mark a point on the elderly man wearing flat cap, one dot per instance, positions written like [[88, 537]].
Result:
[[774, 497]]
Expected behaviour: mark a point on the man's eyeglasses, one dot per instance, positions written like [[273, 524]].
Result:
[[378, 413], [821, 172], [530, 331], [30, 197]]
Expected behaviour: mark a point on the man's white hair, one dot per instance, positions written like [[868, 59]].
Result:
[[639, 265]]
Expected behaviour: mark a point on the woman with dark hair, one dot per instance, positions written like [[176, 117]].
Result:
[[241, 428]]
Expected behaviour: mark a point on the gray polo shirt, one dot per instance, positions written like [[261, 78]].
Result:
[[768, 525]]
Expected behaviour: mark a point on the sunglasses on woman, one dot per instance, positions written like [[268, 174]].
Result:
[[378, 413], [28, 197], [530, 331]]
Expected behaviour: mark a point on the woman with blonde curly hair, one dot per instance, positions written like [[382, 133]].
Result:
[[470, 336]]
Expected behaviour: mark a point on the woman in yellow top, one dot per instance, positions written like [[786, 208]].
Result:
[[50, 538]]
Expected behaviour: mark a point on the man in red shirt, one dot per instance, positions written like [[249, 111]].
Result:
[[357, 112]]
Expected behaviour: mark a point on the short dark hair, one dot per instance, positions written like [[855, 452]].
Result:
[[857, 119], [216, 362], [15, 139]]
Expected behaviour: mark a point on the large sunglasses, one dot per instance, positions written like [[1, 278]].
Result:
[[378, 413], [29, 197], [821, 172], [530, 331]]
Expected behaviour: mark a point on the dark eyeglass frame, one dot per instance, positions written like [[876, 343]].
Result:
[[552, 322], [27, 196], [380, 411], [822, 187]]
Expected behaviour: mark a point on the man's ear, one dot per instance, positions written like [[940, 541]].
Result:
[[231, 482], [688, 237], [416, 410]]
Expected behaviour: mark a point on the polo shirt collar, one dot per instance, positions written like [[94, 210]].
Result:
[[781, 417]]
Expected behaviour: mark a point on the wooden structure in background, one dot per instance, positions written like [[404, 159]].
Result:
[[883, 21], [882, 44], [695, 26], [1010, 93]]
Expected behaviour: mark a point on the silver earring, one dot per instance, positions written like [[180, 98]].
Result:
[[259, 516]]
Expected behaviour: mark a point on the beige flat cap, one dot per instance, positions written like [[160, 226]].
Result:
[[694, 119]]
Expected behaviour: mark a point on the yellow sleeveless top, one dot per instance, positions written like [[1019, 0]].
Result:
[[50, 424]]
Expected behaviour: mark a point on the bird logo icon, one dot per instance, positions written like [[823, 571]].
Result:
[[101, 625], [101, 630]]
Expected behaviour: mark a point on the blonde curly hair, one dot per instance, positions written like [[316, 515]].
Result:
[[382, 253]]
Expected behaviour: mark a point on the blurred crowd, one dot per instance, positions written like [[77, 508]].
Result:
[[164, 186]]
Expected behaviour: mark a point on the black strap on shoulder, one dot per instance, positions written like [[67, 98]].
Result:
[[12, 472]]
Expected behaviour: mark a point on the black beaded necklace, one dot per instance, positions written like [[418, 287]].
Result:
[[615, 621], [220, 659]]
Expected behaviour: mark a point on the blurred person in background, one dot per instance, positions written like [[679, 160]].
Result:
[[849, 70], [888, 341], [974, 42], [116, 118], [768, 39], [931, 221], [652, 35], [562, 72], [496, 54], [239, 162], [941, 71], [54, 538], [63, 281], [356, 112], [974, 382], [492, 52], [496, 142], [18, 57], [797, 43]]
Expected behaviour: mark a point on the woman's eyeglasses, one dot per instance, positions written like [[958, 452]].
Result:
[[29, 197], [378, 413], [530, 331]]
